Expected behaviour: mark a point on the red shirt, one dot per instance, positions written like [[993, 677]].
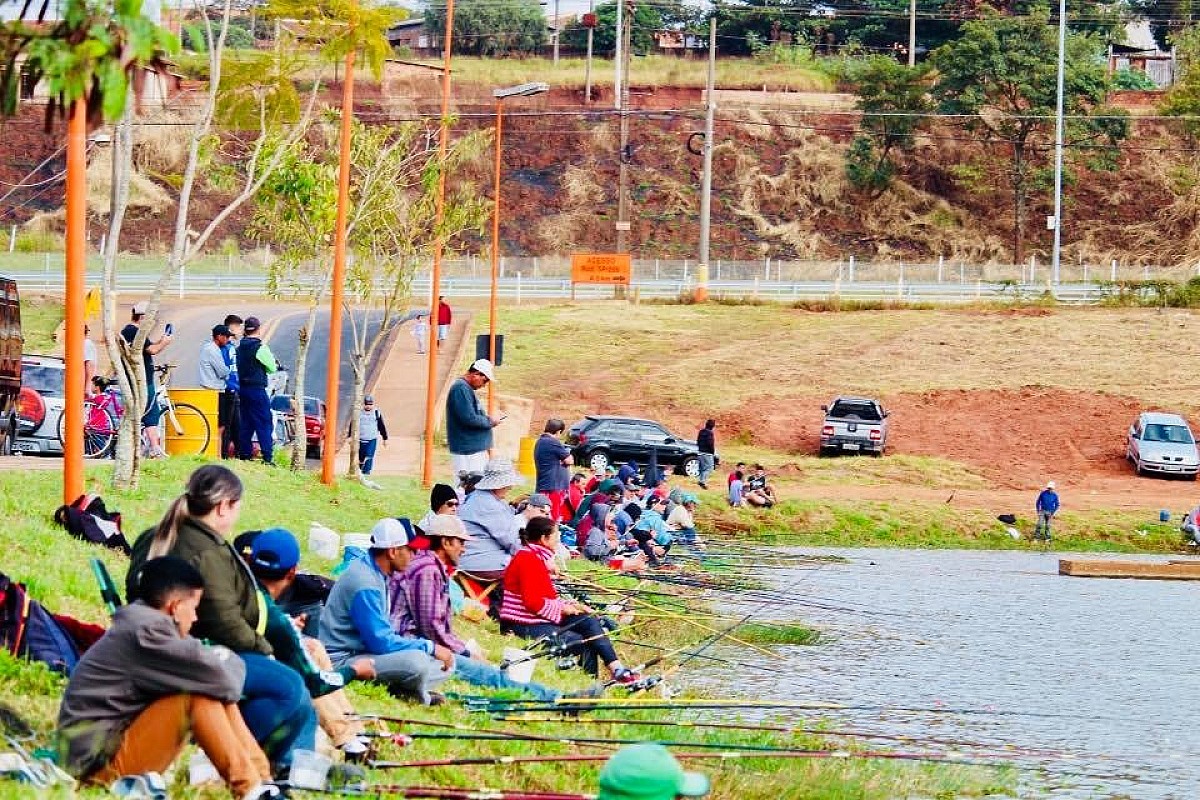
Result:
[[444, 314], [529, 595]]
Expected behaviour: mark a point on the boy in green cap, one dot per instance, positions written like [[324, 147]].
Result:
[[648, 772]]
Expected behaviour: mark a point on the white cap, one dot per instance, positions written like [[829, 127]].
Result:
[[1049, 484], [485, 368], [391, 532], [447, 525], [140, 308]]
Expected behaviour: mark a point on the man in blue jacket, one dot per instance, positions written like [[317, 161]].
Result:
[[255, 362], [468, 428], [1047, 507]]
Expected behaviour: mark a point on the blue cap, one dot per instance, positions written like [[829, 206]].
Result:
[[275, 550]]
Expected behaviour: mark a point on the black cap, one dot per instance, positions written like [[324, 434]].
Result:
[[252, 324], [221, 330]]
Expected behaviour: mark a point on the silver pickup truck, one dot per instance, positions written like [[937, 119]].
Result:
[[854, 425]]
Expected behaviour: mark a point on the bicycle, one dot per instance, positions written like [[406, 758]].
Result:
[[173, 412], [101, 421]]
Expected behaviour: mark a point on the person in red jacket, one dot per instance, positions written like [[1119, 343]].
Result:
[[444, 318], [532, 609]]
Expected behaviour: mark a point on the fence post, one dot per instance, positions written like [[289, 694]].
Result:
[[182, 279], [1113, 274], [719, 268], [962, 272], [1146, 272], [656, 269], [1085, 272], [852, 269], [755, 287], [1033, 269], [900, 283], [535, 266], [685, 271], [267, 256], [518, 288], [941, 263], [502, 267], [767, 269], [12, 239]]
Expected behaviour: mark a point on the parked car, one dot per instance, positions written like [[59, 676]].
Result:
[[11, 344], [314, 419], [1163, 444], [40, 404], [854, 425], [597, 441]]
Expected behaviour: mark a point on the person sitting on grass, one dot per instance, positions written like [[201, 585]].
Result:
[[421, 607], [275, 703], [574, 497], [736, 486], [648, 771], [651, 532], [274, 558], [532, 608], [146, 684], [442, 500], [739, 467], [756, 491], [681, 522]]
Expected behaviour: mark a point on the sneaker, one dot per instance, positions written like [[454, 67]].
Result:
[[263, 791], [436, 699], [625, 676]]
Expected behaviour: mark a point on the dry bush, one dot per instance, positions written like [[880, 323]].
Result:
[[160, 148], [581, 187], [143, 193]]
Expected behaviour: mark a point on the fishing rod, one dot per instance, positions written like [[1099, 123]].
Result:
[[702, 626], [650, 681], [714, 659], [794, 730], [729, 755], [498, 733], [576, 705], [595, 741], [553, 647], [445, 792]]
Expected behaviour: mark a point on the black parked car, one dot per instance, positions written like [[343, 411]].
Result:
[[596, 442]]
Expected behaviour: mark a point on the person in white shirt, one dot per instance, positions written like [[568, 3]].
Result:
[[681, 521], [89, 361], [420, 332]]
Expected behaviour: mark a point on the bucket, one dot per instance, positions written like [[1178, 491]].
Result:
[[1164, 515], [201, 770], [359, 540], [519, 669], [309, 770], [323, 541], [197, 434]]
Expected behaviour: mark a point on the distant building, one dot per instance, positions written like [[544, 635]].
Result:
[[415, 35], [673, 41], [1141, 54]]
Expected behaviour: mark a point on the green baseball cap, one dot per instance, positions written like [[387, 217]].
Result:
[[648, 772]]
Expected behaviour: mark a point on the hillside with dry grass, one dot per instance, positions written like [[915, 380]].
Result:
[[780, 189]]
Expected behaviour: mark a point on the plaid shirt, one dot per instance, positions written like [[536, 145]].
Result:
[[420, 599]]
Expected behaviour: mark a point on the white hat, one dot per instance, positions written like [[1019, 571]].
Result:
[[447, 525], [485, 368], [391, 532], [139, 308], [499, 474], [1049, 484]]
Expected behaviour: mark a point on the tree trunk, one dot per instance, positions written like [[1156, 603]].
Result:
[[1019, 201], [300, 441]]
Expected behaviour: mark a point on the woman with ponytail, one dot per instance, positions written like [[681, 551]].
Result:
[[231, 613]]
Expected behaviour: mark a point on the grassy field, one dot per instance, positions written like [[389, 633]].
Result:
[[56, 569]]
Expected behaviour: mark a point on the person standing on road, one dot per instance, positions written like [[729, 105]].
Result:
[[1046, 507], [371, 431], [552, 458], [468, 429], [420, 332], [444, 318], [228, 408], [89, 361], [152, 414], [706, 443], [255, 362], [213, 370]]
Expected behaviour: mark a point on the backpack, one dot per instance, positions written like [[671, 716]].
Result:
[[28, 630], [89, 520]]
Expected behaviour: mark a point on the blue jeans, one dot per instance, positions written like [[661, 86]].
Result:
[[256, 419], [478, 673], [277, 708], [686, 535], [707, 465], [366, 455]]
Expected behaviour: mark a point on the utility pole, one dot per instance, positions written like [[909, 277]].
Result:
[[1056, 257], [589, 20], [617, 63], [706, 181], [556, 32], [623, 224], [912, 33]]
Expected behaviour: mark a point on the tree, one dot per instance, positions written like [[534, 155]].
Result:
[[491, 27], [395, 197], [895, 103], [1000, 76], [647, 18]]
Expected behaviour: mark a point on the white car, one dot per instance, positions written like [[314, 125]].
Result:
[[40, 405], [1162, 444]]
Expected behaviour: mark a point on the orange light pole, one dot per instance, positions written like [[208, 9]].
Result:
[[439, 243], [524, 90], [495, 253], [74, 311], [339, 279]]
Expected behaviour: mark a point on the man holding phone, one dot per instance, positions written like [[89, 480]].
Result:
[[153, 414], [468, 428]]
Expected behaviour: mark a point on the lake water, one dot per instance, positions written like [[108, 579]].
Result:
[[1101, 673]]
